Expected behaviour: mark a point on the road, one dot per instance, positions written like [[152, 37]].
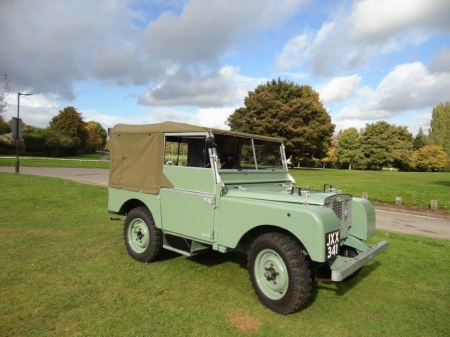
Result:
[[394, 222]]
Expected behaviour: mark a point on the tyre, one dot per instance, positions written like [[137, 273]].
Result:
[[280, 273], [142, 239]]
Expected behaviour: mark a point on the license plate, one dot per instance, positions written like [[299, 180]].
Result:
[[332, 244]]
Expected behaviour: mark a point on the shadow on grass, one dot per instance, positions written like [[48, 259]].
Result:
[[442, 182], [213, 258], [341, 288]]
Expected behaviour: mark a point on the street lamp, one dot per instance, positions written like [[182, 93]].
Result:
[[17, 129]]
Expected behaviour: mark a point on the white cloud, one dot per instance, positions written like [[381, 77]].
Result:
[[338, 88], [188, 88], [380, 20], [302, 47], [49, 46], [408, 87], [371, 27]]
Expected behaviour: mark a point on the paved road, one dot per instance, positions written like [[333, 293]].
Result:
[[395, 222]]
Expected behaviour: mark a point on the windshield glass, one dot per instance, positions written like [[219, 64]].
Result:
[[244, 153]]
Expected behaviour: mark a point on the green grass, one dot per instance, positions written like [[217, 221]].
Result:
[[416, 188], [65, 271]]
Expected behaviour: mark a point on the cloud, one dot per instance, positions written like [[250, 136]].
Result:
[[193, 88], [338, 89], [408, 87], [47, 47], [380, 20], [355, 35], [441, 61]]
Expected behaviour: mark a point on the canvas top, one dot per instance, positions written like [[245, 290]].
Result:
[[174, 127], [137, 153]]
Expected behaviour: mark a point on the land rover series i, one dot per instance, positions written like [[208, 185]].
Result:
[[192, 189]]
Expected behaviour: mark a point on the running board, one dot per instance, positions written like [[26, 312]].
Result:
[[184, 246], [185, 253]]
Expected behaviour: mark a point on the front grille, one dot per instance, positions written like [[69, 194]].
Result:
[[341, 204]]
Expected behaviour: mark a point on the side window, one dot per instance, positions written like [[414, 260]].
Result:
[[186, 151]]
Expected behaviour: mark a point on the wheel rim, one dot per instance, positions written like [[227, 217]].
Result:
[[271, 274], [138, 235]]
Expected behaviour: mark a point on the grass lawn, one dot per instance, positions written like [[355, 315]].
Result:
[[65, 271], [416, 188]]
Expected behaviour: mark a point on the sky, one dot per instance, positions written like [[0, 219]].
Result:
[[194, 61]]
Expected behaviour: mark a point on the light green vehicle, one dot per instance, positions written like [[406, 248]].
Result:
[[192, 189]]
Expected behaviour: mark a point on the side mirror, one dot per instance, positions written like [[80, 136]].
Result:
[[210, 142]]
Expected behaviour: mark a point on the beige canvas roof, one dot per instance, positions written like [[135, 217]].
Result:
[[173, 127], [137, 153]]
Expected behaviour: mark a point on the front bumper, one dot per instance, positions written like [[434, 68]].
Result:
[[343, 267]]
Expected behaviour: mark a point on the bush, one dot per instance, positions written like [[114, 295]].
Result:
[[33, 142]]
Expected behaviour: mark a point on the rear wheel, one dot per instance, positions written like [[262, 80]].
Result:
[[280, 273], [142, 239]]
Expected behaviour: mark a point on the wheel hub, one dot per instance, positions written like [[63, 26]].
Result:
[[270, 274], [139, 235]]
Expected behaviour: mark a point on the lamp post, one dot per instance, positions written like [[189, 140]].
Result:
[[17, 129]]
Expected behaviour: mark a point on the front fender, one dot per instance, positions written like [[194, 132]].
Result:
[[363, 219], [309, 224]]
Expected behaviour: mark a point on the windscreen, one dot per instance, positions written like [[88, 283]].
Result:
[[250, 154]]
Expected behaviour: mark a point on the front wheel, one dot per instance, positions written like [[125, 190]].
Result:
[[280, 273], [142, 239]]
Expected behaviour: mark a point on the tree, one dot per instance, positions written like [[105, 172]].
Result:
[[440, 126], [289, 111], [96, 135], [383, 145], [71, 129], [348, 148], [402, 147], [430, 158], [331, 157], [420, 140]]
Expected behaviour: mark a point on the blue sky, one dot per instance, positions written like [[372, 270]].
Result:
[[129, 61]]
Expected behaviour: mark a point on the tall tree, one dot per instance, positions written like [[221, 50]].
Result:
[[440, 126], [383, 145], [402, 147], [430, 158], [71, 128], [420, 140], [289, 111], [348, 147]]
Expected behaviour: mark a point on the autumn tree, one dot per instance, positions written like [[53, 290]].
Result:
[[384, 145], [288, 111], [440, 126], [348, 148], [71, 129], [96, 135], [331, 158], [430, 158]]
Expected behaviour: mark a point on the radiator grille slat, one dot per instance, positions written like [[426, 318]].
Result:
[[341, 204]]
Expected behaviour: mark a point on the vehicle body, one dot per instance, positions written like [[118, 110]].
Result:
[[192, 189]]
